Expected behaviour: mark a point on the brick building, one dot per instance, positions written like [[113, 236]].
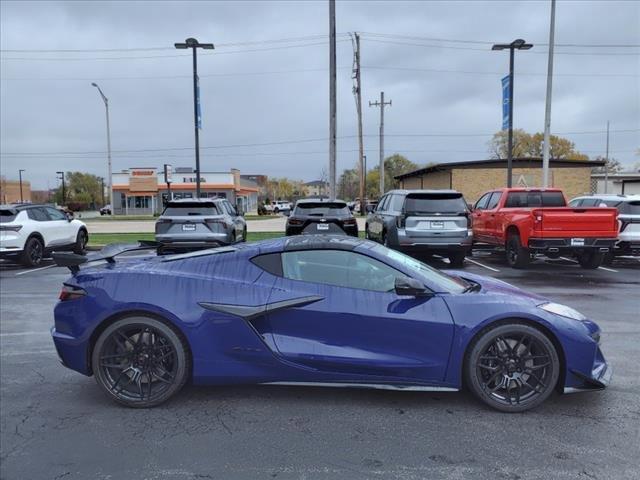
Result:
[[474, 178], [10, 191]]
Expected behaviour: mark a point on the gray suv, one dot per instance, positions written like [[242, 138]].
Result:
[[191, 224], [423, 222]]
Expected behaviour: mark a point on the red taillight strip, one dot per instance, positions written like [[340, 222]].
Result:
[[69, 292]]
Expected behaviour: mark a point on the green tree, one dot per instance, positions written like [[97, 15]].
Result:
[[394, 165], [83, 190], [613, 165], [348, 184], [526, 145]]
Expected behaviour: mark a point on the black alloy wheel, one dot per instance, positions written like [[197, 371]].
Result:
[[81, 241], [33, 252], [140, 362], [512, 367]]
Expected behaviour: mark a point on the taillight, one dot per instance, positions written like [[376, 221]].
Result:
[[212, 221], [295, 221], [401, 220], [10, 228], [350, 221], [70, 292], [469, 221]]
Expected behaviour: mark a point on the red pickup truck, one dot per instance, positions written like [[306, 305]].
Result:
[[529, 221]]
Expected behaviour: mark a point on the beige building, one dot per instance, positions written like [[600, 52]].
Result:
[[10, 191], [474, 178], [316, 188]]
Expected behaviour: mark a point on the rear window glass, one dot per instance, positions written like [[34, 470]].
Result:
[[630, 208], [187, 209], [322, 209], [534, 199], [435, 203], [7, 215]]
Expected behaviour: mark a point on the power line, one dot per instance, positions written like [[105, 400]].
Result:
[[477, 72]]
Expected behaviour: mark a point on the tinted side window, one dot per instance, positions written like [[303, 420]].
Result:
[[55, 214], [270, 262], [396, 203], [575, 203], [493, 201], [38, 214], [339, 268], [590, 202], [229, 208], [482, 203], [382, 205]]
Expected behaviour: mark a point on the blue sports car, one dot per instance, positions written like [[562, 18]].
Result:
[[315, 310]]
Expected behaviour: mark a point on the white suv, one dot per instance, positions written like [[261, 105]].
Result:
[[29, 232], [280, 206]]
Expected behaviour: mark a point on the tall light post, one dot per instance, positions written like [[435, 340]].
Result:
[[20, 176], [194, 45], [63, 189], [518, 44], [106, 106]]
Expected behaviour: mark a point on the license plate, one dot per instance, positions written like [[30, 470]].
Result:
[[437, 224], [577, 242], [322, 226], [187, 227]]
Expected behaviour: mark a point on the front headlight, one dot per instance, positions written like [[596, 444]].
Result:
[[562, 310]]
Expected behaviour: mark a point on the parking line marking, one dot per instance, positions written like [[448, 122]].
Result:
[[36, 269], [569, 259], [482, 265], [17, 334], [32, 352], [600, 268]]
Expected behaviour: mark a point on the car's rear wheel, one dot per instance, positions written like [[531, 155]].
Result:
[[244, 235], [512, 367], [517, 255], [590, 260], [140, 361], [33, 252], [457, 259], [81, 241]]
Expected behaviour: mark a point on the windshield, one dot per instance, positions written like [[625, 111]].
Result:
[[423, 271], [190, 208], [322, 209], [435, 203]]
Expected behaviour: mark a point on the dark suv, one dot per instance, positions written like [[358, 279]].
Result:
[[317, 215], [423, 222]]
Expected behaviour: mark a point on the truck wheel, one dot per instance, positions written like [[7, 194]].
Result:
[[456, 259], [590, 260], [517, 255]]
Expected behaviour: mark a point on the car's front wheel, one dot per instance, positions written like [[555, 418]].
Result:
[[140, 361], [512, 367]]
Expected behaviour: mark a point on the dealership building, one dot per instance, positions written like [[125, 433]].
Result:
[[143, 190], [474, 178]]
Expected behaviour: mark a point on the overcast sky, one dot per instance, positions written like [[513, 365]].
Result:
[[445, 94]]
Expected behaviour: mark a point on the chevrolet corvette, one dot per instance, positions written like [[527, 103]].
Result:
[[314, 310]]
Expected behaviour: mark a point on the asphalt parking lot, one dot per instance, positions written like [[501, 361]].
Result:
[[56, 424]]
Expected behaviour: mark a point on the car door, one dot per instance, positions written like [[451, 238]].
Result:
[[64, 232], [491, 216], [376, 225], [479, 219], [238, 221], [359, 328]]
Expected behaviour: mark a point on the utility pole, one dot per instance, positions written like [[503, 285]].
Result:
[[518, 44], [332, 100], [106, 106], [606, 163], [357, 92], [547, 110], [63, 188], [20, 175], [197, 118], [102, 191], [381, 104]]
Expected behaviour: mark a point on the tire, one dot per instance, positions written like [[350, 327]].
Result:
[[512, 367], [457, 259], [517, 255], [81, 241], [385, 240], [608, 258], [276, 210], [366, 232], [244, 235], [590, 260], [143, 350], [33, 252]]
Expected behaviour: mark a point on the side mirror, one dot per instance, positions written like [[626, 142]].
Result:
[[411, 287]]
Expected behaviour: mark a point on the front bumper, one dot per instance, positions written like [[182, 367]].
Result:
[[598, 379]]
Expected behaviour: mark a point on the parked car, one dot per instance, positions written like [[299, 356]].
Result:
[[423, 222], [628, 207], [313, 215], [199, 223], [280, 206], [315, 309], [29, 232], [529, 221], [106, 210]]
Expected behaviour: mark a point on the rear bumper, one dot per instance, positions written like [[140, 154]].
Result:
[[569, 244], [195, 241], [72, 352], [435, 241]]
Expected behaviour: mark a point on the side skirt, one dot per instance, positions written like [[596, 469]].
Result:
[[377, 386]]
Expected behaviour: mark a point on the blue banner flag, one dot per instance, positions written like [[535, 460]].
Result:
[[198, 111], [506, 90]]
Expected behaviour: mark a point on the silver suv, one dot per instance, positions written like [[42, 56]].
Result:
[[423, 222], [191, 223], [628, 219]]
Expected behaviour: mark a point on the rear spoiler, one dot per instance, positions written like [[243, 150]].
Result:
[[73, 261]]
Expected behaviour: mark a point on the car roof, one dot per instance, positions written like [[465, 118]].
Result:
[[178, 201], [24, 206], [425, 191], [610, 196], [302, 201]]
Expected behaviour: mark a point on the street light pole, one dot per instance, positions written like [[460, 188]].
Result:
[[518, 44], [547, 110], [109, 180], [194, 45], [63, 192], [20, 176]]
